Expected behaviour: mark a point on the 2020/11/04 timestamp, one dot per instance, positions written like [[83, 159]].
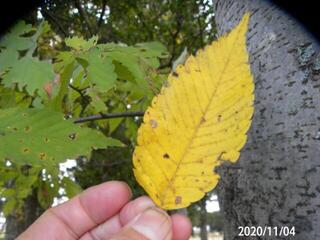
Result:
[[259, 231]]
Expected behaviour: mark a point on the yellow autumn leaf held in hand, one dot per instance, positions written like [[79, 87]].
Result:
[[199, 120]]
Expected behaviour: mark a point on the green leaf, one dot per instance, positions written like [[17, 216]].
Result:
[[123, 72], [101, 71], [7, 97], [43, 137], [80, 44], [70, 187], [8, 174], [9, 192], [151, 51], [30, 73], [9, 206], [46, 193], [155, 48], [113, 123], [43, 28], [24, 185], [63, 60], [57, 102], [13, 39], [97, 102], [132, 64], [7, 58]]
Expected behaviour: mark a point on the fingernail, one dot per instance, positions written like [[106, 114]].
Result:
[[145, 203], [153, 224]]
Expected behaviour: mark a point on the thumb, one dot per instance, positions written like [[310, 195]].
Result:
[[153, 224]]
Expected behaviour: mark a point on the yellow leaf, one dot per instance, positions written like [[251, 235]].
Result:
[[199, 120]]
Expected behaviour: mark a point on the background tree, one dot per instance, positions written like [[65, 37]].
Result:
[[177, 24], [276, 180]]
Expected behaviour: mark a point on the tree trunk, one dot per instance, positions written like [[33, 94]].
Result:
[[276, 181], [203, 219], [15, 224]]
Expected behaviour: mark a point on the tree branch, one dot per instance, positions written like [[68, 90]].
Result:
[[84, 16], [108, 116], [48, 14], [80, 91], [104, 7]]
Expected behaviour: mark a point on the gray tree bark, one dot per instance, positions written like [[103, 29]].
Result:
[[276, 181]]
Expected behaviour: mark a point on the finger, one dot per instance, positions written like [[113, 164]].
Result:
[[105, 230], [134, 208], [82, 213], [181, 226], [153, 224], [113, 225]]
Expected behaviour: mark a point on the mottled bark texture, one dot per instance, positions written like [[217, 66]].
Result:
[[276, 181]]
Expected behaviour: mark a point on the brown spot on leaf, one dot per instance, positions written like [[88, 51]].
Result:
[[166, 155], [27, 128], [175, 74], [178, 200], [203, 120], [42, 156], [219, 118], [26, 150], [153, 123], [72, 136], [46, 140]]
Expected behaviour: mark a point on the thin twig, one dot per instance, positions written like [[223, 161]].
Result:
[[84, 16], [48, 14], [80, 91], [104, 7], [108, 116]]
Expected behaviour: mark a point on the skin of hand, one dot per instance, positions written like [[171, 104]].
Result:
[[106, 212]]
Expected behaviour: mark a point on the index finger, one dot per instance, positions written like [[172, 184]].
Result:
[[82, 213]]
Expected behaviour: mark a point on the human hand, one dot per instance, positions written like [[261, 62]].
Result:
[[106, 212]]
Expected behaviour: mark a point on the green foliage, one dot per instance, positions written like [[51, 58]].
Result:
[[14, 39], [176, 23], [19, 183], [40, 98], [7, 58], [71, 187], [100, 71], [30, 73], [80, 44], [43, 137]]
